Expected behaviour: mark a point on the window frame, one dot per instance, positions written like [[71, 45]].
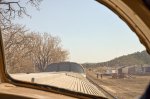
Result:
[[134, 19]]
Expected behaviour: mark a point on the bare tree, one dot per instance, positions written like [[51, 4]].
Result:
[[48, 50], [25, 50], [9, 10], [17, 46]]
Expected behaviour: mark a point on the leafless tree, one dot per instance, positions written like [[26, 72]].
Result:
[[17, 45], [27, 51], [10, 9], [47, 50], [23, 49]]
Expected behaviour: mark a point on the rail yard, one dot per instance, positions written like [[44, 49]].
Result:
[[123, 88]]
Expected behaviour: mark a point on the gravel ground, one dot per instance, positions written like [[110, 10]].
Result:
[[129, 88]]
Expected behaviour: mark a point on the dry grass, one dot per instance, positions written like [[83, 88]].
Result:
[[129, 88]]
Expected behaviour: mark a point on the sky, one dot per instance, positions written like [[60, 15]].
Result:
[[88, 30]]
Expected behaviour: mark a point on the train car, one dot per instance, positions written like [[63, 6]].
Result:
[[66, 75]]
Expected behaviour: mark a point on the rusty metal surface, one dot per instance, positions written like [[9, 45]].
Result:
[[15, 91], [3, 74]]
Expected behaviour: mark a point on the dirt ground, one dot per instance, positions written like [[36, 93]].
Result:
[[125, 88]]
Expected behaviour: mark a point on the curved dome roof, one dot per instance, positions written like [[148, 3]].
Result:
[[65, 66]]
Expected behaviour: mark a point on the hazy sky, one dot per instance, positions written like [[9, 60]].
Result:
[[88, 30]]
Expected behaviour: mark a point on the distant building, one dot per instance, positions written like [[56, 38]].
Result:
[[114, 71], [108, 72], [120, 70], [131, 70], [111, 71], [146, 69]]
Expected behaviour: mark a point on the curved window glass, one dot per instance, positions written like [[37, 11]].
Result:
[[50, 46]]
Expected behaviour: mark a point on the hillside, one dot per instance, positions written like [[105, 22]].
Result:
[[137, 58]]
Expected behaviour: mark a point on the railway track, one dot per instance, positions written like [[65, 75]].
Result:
[[106, 93]]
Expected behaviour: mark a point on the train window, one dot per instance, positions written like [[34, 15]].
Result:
[[78, 46]]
